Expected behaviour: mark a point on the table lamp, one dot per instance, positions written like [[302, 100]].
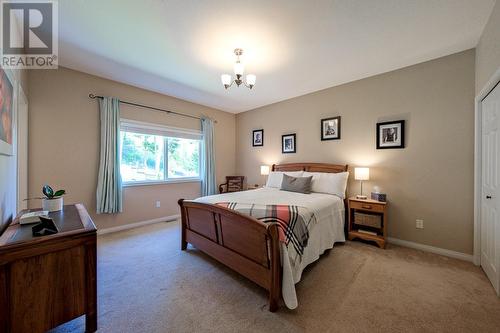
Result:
[[264, 171], [361, 174]]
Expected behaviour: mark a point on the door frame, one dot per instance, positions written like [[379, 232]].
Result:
[[488, 87], [21, 98]]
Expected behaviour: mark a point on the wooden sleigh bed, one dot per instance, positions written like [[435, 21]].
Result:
[[241, 242]]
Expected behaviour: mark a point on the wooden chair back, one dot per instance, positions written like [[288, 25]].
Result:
[[232, 184]]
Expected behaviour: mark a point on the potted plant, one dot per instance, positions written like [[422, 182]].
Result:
[[52, 201]]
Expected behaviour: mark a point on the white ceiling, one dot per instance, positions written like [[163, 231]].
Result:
[[180, 47]]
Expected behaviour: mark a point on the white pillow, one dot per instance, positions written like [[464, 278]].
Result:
[[330, 183], [276, 177]]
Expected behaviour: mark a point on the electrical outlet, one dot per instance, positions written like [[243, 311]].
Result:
[[419, 224], [158, 204]]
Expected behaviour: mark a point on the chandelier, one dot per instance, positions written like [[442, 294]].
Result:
[[239, 68]]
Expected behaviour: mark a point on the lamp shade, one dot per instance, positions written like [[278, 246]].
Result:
[[362, 173], [239, 68], [226, 79], [251, 78], [264, 170]]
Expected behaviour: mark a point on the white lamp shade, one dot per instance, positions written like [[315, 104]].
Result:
[[239, 68], [226, 79], [264, 170], [362, 173], [251, 79]]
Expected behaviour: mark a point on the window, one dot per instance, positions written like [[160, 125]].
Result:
[[152, 154]]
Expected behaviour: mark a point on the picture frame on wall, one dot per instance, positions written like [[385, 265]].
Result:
[[288, 143], [7, 111], [330, 128], [258, 138], [391, 135]]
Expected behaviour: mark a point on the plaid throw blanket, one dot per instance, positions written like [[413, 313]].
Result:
[[293, 222]]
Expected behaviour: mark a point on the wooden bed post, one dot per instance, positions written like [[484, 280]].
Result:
[[183, 225], [275, 285]]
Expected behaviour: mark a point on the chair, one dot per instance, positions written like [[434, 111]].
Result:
[[232, 184]]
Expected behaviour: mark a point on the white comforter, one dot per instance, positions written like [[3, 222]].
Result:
[[329, 227]]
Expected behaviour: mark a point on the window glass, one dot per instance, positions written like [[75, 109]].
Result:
[[183, 158], [149, 157], [142, 157]]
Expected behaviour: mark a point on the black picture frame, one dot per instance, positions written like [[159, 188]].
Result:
[[258, 143], [397, 139], [324, 135], [289, 150]]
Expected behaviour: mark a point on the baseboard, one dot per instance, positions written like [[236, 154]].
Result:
[[137, 224], [432, 249]]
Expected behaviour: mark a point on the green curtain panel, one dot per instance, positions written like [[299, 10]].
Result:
[[109, 182], [208, 186]]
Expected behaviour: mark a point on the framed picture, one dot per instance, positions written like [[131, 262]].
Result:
[[330, 128], [7, 102], [288, 144], [258, 138], [391, 135]]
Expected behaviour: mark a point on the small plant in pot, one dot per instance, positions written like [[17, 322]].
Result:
[[52, 200]]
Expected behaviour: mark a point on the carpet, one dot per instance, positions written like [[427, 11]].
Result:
[[146, 284]]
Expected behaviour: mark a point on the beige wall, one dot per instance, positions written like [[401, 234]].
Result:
[[431, 179], [488, 49], [64, 142], [8, 180]]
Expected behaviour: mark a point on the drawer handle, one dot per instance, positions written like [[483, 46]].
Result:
[[366, 206]]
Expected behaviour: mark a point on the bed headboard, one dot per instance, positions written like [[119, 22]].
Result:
[[311, 167]]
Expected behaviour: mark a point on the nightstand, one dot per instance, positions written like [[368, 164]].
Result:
[[367, 220]]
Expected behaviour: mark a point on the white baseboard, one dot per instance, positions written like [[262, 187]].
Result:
[[137, 224], [432, 249]]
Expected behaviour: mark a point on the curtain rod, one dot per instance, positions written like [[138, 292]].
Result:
[[150, 107]]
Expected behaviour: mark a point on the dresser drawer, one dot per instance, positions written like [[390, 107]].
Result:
[[368, 206]]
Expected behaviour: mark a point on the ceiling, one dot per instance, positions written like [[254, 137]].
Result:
[[180, 48]]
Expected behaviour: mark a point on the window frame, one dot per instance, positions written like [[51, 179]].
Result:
[[134, 126]]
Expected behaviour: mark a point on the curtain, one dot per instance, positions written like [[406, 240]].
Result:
[[208, 185], [109, 182]]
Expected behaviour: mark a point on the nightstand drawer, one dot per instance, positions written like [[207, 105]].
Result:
[[368, 206]]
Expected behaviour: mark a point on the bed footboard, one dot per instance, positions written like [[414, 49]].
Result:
[[243, 243]]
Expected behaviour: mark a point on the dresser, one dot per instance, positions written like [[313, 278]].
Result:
[[46, 281]]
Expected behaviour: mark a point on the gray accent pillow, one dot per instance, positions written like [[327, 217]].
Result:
[[296, 184]]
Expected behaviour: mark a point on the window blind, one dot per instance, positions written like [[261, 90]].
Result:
[[161, 130]]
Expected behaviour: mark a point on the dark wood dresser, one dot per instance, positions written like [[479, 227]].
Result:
[[49, 280]]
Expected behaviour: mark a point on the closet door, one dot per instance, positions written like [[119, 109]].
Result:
[[490, 200]]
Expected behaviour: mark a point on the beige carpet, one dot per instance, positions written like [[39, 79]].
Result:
[[146, 284]]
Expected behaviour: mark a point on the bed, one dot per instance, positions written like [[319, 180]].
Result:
[[220, 226]]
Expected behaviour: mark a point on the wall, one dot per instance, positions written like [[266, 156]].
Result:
[[65, 135], [432, 178], [8, 180], [488, 49]]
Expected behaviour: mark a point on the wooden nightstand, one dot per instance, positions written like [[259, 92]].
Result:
[[369, 215]]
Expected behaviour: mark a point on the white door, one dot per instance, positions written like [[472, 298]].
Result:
[[490, 200], [22, 151]]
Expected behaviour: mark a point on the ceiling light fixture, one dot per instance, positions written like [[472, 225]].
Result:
[[239, 68]]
